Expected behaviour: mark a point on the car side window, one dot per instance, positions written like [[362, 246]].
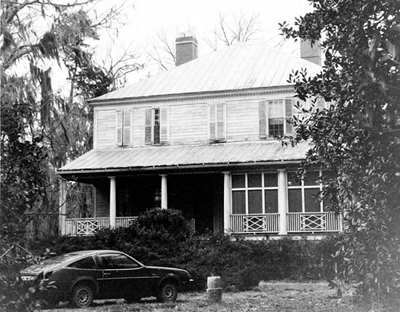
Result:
[[85, 263], [117, 261]]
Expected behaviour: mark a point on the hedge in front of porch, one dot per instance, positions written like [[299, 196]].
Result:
[[164, 237]]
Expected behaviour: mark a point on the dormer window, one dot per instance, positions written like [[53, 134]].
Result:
[[123, 127], [156, 126], [217, 122], [274, 117]]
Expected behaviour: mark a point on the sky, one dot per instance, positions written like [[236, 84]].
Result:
[[141, 21]]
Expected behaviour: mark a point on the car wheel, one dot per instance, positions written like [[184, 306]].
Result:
[[82, 295], [167, 292]]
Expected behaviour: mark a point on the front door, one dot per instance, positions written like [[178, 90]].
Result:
[[123, 277]]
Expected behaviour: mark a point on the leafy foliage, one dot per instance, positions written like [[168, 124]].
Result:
[[357, 136], [163, 237]]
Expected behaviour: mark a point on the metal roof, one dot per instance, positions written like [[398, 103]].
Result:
[[156, 157], [241, 66]]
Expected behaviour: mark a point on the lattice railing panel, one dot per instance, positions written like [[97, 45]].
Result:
[[254, 223], [313, 222], [86, 227]]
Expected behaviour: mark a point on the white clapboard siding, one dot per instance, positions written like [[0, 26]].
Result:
[[138, 123], [105, 135], [188, 123], [242, 121]]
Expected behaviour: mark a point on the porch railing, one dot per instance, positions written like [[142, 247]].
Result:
[[255, 223], [296, 222], [313, 222], [88, 226]]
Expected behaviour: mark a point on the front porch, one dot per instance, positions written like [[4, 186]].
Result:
[[211, 202]]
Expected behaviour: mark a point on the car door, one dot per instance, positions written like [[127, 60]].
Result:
[[123, 276]]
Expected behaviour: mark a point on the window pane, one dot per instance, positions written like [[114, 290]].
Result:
[[255, 201], [254, 180], [156, 126], [275, 109], [312, 178], [238, 180], [275, 127], [86, 263], [238, 202], [271, 201], [117, 261], [293, 179], [270, 179], [294, 200], [311, 200]]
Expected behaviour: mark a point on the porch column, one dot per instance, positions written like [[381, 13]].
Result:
[[227, 202], [113, 202], [62, 207], [282, 201], [164, 192]]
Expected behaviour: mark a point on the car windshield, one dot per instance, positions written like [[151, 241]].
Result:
[[59, 259]]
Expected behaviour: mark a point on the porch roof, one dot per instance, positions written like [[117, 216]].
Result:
[[185, 156]]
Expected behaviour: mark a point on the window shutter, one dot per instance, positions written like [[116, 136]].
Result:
[[148, 122], [212, 122], [262, 118], [164, 125], [119, 127], [127, 128], [289, 115], [220, 121]]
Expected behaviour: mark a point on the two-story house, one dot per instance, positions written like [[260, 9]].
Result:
[[203, 138]]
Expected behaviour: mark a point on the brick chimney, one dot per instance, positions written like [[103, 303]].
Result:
[[186, 49], [310, 52]]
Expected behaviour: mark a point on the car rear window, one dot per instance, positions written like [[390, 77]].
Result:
[[85, 263]]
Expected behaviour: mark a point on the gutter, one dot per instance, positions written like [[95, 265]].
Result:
[[178, 166]]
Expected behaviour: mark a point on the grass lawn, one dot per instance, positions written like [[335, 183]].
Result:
[[271, 296]]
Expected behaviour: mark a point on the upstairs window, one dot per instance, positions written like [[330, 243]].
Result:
[[123, 127], [218, 122], [156, 126], [274, 118]]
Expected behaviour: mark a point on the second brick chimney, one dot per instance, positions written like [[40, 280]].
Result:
[[186, 49]]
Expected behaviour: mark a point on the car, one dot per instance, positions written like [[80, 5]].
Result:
[[82, 276]]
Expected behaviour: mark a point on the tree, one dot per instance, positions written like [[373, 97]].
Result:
[[40, 130], [228, 30], [357, 137]]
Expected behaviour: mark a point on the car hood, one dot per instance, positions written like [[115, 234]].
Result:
[[36, 269]]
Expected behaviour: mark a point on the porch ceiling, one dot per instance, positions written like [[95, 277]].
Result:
[[185, 156]]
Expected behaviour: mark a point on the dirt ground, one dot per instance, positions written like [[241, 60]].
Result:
[[271, 296]]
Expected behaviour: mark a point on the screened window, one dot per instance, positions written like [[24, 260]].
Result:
[[123, 127], [156, 126], [217, 122], [255, 193], [303, 193], [274, 118]]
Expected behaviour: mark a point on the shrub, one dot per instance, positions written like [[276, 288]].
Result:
[[163, 237]]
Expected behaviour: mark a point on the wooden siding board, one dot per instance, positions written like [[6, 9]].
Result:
[[188, 123], [188, 120], [105, 135]]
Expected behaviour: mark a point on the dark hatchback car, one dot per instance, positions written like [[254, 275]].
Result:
[[80, 277]]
